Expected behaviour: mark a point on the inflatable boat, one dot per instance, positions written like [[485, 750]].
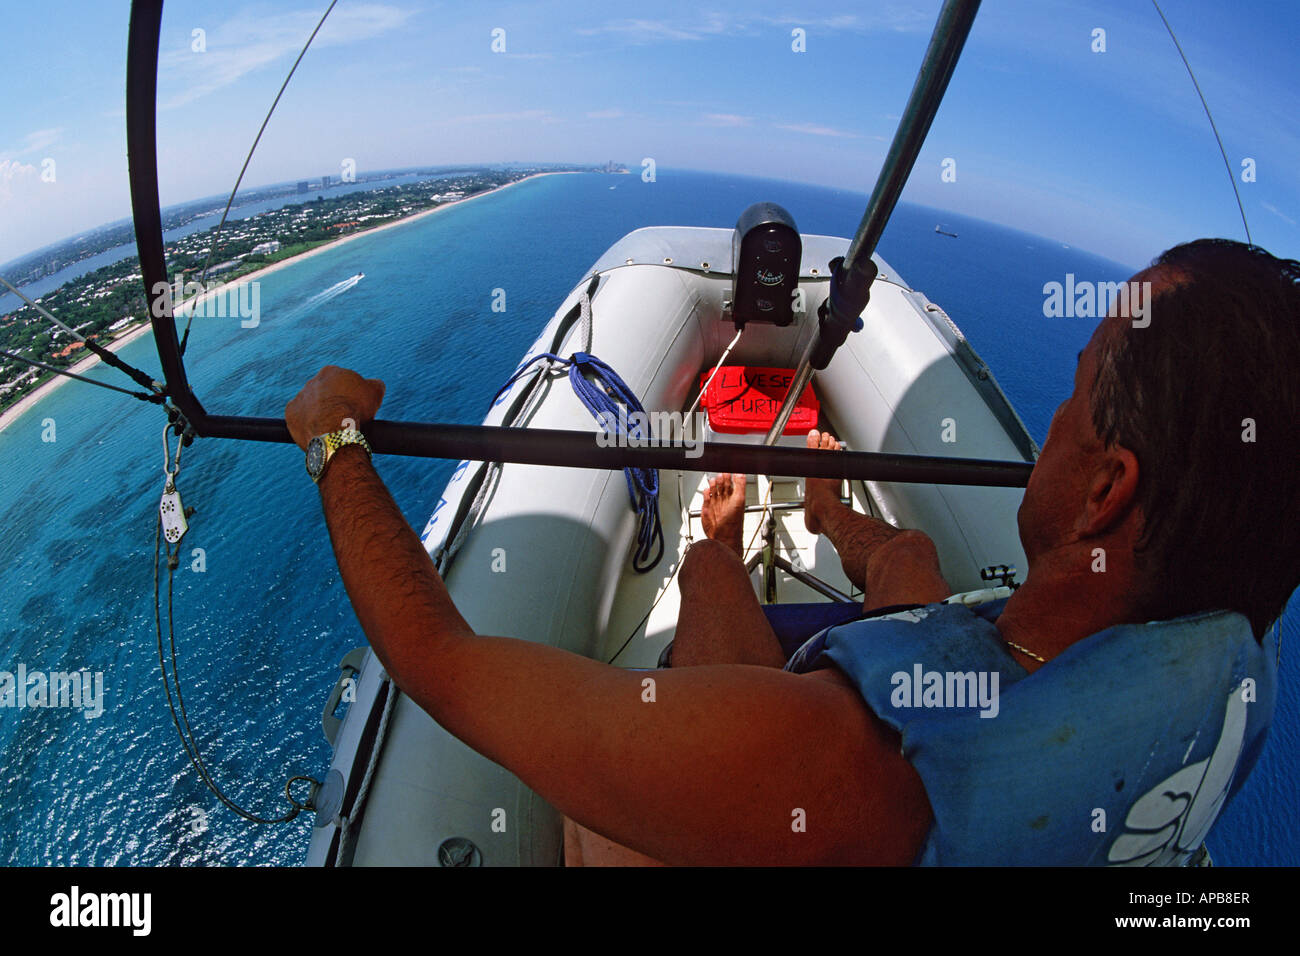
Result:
[[559, 555], [680, 351]]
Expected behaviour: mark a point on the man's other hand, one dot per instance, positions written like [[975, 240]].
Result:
[[336, 398]]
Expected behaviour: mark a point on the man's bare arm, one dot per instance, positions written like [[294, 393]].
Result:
[[720, 768], [891, 565]]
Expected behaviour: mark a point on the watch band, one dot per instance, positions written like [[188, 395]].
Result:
[[322, 448]]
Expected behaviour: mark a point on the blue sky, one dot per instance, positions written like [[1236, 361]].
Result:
[[1107, 151]]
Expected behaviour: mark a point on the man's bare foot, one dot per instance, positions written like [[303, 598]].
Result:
[[723, 511], [820, 493]]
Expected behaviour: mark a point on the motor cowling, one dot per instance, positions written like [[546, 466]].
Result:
[[766, 251]]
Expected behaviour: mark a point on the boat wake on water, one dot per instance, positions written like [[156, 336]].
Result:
[[333, 292]]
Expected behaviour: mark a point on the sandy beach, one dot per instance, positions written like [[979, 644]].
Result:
[[16, 411]]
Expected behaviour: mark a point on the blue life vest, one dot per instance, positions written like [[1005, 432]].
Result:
[[1122, 749]]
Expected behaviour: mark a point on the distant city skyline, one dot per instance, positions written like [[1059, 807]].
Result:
[[1040, 131]]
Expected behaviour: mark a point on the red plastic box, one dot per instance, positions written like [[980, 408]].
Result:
[[744, 399]]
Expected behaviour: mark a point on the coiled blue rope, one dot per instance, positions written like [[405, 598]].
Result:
[[611, 402]]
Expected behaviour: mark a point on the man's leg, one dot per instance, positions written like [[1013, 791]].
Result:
[[720, 622], [891, 565], [854, 535], [582, 847]]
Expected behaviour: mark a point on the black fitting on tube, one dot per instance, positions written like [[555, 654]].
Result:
[[841, 313]]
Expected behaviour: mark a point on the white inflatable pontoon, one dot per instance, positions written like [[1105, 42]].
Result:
[[545, 553]]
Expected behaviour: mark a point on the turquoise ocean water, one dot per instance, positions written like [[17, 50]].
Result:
[[261, 630]]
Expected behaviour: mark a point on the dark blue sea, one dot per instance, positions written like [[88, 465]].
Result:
[[261, 630]]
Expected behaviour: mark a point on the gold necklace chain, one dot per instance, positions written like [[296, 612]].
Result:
[[1024, 650]]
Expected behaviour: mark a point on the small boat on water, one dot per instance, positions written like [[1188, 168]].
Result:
[[943, 232], [659, 307]]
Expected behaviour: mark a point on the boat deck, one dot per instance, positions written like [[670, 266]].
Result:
[[635, 638]]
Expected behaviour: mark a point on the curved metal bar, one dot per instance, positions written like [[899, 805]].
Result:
[[851, 278], [142, 159], [569, 449]]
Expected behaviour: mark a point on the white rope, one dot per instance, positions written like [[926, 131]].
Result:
[[709, 381], [691, 411], [584, 306]]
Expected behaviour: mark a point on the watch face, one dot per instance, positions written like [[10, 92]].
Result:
[[315, 456]]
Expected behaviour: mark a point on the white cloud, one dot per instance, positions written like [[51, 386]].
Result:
[[33, 142], [894, 18], [39, 140], [249, 42], [897, 17], [522, 115], [724, 119], [1277, 212], [10, 170], [651, 31], [812, 129]]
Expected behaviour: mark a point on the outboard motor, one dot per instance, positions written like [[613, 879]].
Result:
[[766, 250]]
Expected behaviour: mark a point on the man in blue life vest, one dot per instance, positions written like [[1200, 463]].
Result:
[[1083, 734]]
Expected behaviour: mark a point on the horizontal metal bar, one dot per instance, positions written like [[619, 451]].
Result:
[[816, 583], [777, 506], [575, 449]]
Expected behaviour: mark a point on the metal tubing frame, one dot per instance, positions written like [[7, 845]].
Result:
[[811, 580], [531, 446], [946, 43]]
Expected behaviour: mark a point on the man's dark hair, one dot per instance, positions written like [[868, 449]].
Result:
[[1218, 366]]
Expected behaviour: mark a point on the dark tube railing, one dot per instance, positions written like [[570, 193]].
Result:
[[142, 161], [946, 43], [574, 449], [529, 446], [851, 277]]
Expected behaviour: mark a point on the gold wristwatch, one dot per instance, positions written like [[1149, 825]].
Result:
[[322, 448]]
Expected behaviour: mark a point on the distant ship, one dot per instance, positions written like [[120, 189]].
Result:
[[944, 232], [358, 277]]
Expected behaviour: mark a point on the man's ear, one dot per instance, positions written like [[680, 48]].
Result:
[[1112, 492]]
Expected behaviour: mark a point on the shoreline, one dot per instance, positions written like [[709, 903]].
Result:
[[28, 402]]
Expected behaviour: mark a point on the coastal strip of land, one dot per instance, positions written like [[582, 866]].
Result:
[[27, 402]]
